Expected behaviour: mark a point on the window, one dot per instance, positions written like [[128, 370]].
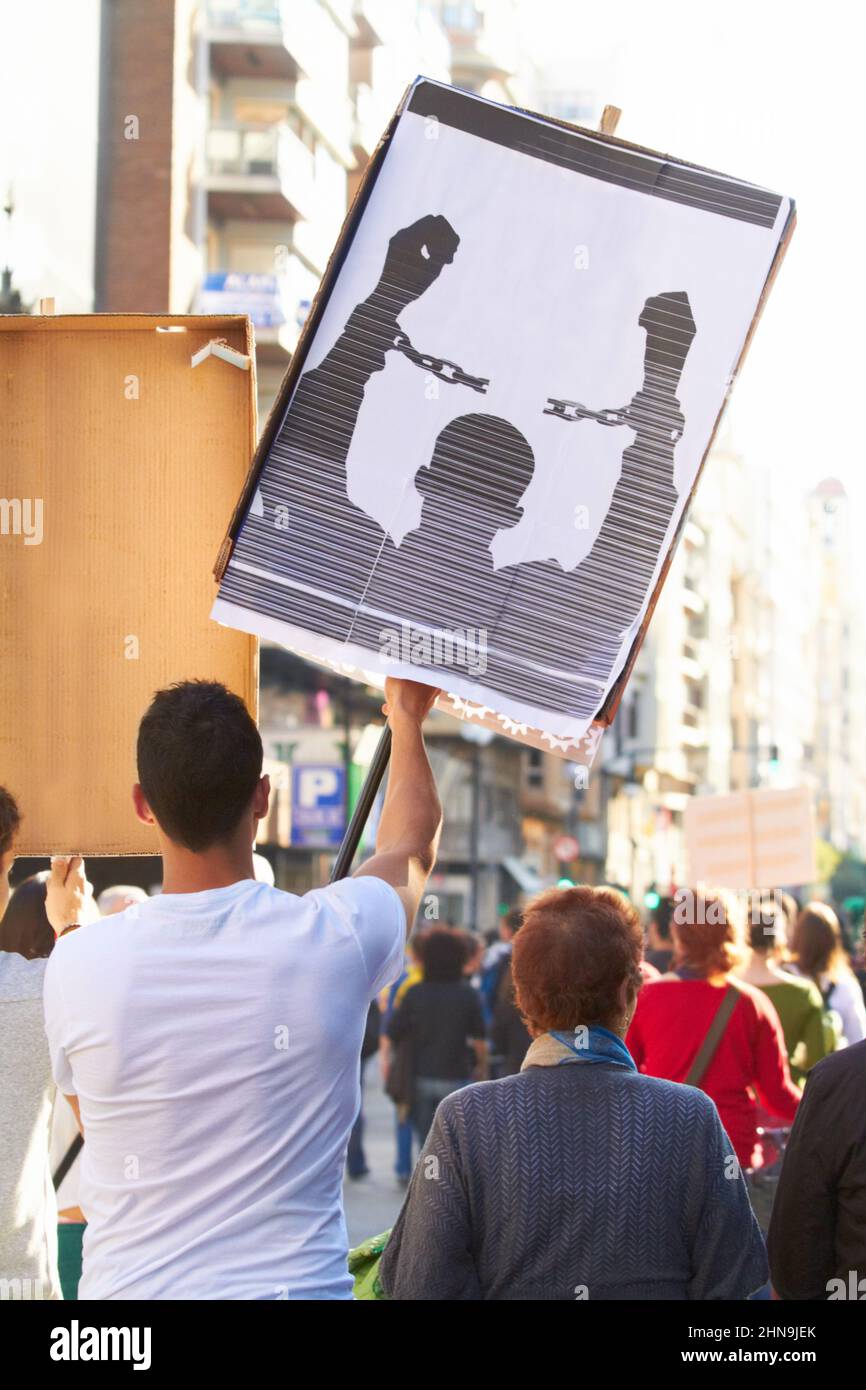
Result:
[[535, 769]]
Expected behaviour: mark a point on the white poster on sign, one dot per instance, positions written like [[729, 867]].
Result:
[[504, 406]]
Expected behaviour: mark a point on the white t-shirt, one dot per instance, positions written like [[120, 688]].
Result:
[[213, 1041]]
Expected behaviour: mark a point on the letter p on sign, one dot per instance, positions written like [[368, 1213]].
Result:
[[318, 786]]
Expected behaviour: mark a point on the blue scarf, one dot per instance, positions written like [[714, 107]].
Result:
[[557, 1049]]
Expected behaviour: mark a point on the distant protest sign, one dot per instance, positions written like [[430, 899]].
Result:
[[753, 839], [483, 452]]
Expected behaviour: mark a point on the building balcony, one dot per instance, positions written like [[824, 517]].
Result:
[[255, 172], [367, 125], [374, 23], [263, 38], [693, 601], [329, 111]]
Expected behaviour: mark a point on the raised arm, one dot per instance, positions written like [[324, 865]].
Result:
[[411, 819]]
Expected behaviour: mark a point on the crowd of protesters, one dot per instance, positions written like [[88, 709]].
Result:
[[597, 1112]]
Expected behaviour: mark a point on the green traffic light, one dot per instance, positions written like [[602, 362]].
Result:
[[652, 899], [565, 883]]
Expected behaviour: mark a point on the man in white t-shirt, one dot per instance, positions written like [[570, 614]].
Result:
[[210, 1036]]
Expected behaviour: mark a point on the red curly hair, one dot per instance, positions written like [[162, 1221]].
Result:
[[571, 956]]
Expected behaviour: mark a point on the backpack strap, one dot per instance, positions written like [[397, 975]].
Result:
[[716, 1031]]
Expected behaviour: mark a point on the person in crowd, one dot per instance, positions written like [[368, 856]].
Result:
[[441, 1023], [659, 951], [563, 1182], [809, 1030], [388, 1002], [118, 898], [475, 953], [509, 1035], [671, 1034], [817, 954], [25, 928], [356, 1158], [817, 1238], [10, 821], [28, 1207], [496, 959], [27, 931], [210, 1037]]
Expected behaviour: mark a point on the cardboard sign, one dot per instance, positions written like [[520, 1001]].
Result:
[[481, 457], [754, 839], [120, 461]]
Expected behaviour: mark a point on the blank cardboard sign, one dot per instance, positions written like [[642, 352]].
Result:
[[121, 462], [752, 839]]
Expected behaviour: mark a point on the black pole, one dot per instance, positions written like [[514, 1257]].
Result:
[[355, 829], [474, 836]]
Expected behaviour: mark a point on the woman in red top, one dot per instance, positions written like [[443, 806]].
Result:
[[674, 1014]]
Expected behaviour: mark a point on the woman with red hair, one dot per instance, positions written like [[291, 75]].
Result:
[[702, 1026], [578, 1178]]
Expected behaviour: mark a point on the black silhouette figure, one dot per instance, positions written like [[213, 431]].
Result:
[[553, 635], [575, 621], [442, 576], [309, 530]]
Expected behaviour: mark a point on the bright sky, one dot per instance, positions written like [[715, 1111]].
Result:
[[772, 93]]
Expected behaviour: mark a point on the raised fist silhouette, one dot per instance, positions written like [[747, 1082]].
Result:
[[415, 256]]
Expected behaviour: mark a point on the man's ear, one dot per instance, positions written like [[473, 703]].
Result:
[[142, 810], [261, 796]]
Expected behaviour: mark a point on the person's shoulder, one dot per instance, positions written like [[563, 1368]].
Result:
[[848, 986], [89, 955], [657, 1090], [753, 1001], [481, 1097], [361, 894], [849, 1063], [797, 987], [20, 978], [656, 992]]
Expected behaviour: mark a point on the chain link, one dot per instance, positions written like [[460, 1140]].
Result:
[[574, 410], [450, 372]]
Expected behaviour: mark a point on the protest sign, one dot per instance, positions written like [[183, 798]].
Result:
[[120, 462], [753, 839], [481, 457]]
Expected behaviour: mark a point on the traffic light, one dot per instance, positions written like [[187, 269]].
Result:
[[774, 757], [651, 899], [565, 883]]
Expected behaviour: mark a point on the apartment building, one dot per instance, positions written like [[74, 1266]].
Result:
[[836, 655], [232, 136]]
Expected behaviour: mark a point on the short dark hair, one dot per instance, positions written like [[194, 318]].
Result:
[[661, 916], [199, 761], [10, 819], [25, 928], [765, 915], [443, 952]]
